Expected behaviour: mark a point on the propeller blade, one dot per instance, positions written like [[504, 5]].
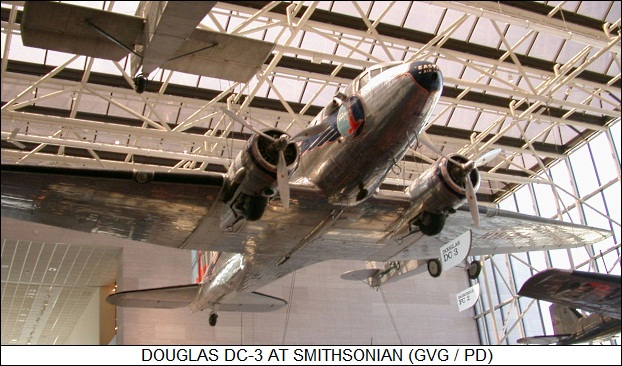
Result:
[[472, 200], [283, 179], [241, 121], [487, 157], [307, 133], [425, 140]]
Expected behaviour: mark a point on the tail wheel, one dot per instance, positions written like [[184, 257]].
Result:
[[434, 267], [213, 318], [140, 83]]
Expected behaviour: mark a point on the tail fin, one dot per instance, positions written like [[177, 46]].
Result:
[[564, 319]]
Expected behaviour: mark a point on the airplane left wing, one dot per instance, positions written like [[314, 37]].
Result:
[[183, 211]]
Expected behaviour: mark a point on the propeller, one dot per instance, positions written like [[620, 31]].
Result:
[[280, 144], [465, 170]]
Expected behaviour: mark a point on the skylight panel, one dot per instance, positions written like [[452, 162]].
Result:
[[594, 9], [545, 47], [424, 17], [19, 52], [515, 34], [92, 104], [463, 31], [181, 78], [394, 16]]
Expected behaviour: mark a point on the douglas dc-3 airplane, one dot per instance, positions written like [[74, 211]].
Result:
[[287, 202], [597, 293]]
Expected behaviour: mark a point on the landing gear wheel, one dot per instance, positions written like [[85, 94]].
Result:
[[213, 317], [140, 83], [431, 223], [434, 267], [254, 206], [475, 268]]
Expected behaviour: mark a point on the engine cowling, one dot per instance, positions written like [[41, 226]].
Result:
[[252, 178], [439, 191]]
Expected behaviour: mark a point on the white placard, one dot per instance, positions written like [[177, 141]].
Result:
[[468, 297], [455, 251]]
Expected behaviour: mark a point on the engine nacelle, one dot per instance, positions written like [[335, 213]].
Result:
[[252, 178], [439, 191]]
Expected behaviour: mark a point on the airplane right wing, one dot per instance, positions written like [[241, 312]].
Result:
[[594, 292]]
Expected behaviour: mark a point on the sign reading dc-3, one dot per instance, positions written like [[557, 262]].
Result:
[[455, 251]]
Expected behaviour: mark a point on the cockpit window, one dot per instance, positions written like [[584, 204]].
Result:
[[385, 68], [363, 80], [374, 71]]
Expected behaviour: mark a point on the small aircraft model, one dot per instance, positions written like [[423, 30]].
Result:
[[287, 202], [596, 293]]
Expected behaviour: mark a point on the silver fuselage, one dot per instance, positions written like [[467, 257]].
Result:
[[369, 131]]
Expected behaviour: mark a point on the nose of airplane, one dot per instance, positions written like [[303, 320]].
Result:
[[427, 75]]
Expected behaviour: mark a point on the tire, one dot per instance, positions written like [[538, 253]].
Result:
[[431, 224], [254, 207], [140, 84], [434, 267], [213, 318], [475, 268]]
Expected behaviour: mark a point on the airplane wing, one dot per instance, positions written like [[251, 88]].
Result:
[[174, 297], [593, 292], [102, 34], [183, 211]]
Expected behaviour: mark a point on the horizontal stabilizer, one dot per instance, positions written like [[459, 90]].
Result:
[[251, 302], [359, 274], [220, 55], [160, 298], [74, 29], [544, 340]]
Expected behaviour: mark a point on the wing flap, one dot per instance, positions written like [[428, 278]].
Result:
[[159, 298]]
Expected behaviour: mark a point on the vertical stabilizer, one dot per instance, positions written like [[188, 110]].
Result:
[[564, 319]]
